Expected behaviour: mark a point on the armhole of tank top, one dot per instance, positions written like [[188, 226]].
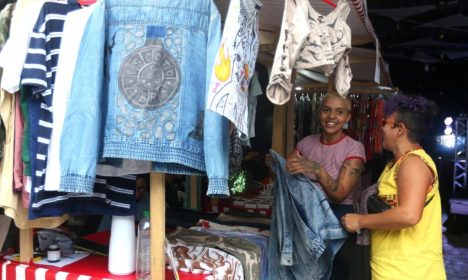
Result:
[[434, 176]]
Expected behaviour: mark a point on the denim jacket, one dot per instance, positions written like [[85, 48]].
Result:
[[139, 89], [305, 234]]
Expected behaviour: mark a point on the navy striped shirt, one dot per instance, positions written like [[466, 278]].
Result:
[[39, 76], [111, 196]]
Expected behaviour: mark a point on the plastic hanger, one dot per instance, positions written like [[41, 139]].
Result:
[[329, 2], [86, 2]]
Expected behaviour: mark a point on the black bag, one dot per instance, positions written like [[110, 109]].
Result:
[[376, 205]]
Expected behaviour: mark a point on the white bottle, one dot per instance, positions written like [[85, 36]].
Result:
[[122, 245], [143, 262]]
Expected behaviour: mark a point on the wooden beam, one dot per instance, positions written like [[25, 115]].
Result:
[[158, 225], [290, 117], [26, 245], [279, 130], [194, 193]]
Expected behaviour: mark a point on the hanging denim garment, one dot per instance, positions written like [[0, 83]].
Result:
[[305, 234], [145, 64]]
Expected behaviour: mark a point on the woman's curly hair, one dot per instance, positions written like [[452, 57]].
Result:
[[415, 111]]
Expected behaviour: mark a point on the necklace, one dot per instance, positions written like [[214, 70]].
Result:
[[393, 161]]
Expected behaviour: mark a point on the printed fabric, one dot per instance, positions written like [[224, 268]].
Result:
[[247, 252], [259, 240], [216, 263], [414, 252], [305, 234], [309, 40], [228, 93]]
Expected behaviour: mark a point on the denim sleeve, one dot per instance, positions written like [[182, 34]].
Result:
[[81, 129], [283, 230], [215, 125]]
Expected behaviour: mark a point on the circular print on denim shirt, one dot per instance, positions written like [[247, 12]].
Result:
[[149, 76]]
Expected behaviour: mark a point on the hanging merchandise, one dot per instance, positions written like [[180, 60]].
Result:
[[309, 40], [228, 90], [73, 29], [145, 94], [228, 93]]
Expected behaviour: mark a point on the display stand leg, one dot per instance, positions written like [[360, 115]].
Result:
[[158, 225], [26, 245]]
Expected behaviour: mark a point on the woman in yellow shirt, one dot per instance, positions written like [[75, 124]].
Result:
[[406, 240]]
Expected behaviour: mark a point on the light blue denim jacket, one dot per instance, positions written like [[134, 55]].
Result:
[[305, 234], [139, 89]]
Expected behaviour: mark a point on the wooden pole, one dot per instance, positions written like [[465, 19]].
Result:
[[290, 117], [26, 245], [158, 225], [278, 142], [193, 193]]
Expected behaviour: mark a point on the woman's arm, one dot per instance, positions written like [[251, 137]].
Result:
[[336, 190], [348, 178], [413, 183]]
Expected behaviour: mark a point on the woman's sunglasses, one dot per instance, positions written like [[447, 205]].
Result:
[[384, 122]]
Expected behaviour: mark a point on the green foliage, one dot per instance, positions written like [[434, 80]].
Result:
[[238, 181]]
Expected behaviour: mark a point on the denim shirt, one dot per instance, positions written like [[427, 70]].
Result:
[[305, 234], [139, 89]]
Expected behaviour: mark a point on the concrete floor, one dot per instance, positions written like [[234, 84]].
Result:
[[456, 255]]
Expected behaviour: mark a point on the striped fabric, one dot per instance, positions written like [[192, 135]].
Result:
[[17, 271], [361, 9], [331, 156], [39, 76], [111, 196]]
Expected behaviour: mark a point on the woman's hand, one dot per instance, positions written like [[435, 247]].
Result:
[[352, 222], [298, 164]]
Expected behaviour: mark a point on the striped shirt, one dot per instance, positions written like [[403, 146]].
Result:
[[331, 156], [38, 76], [113, 196]]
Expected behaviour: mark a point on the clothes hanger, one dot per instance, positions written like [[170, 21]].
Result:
[[329, 2], [86, 2]]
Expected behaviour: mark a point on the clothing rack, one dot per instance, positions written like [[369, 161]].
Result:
[[158, 224], [356, 88]]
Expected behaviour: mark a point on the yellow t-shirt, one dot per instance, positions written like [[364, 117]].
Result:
[[414, 252]]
